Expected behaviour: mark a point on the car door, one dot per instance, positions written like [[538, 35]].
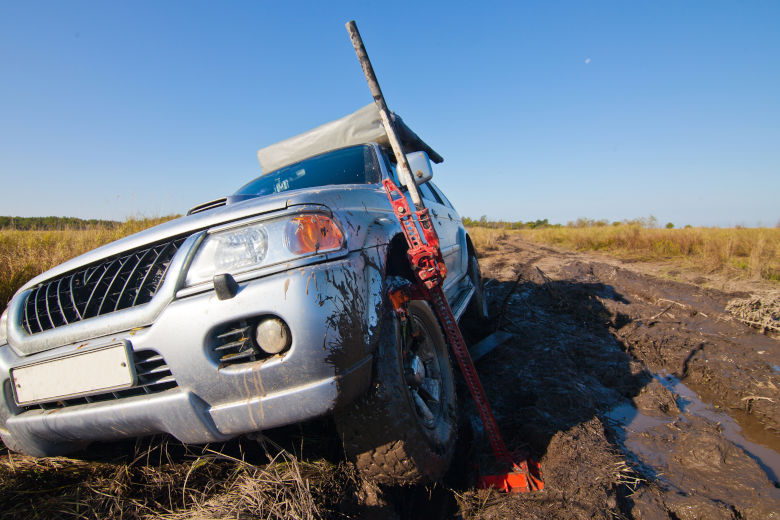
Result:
[[447, 228]]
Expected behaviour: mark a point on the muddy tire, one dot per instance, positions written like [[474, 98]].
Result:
[[401, 432], [476, 312]]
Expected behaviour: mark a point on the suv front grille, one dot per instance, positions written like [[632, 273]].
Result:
[[114, 284], [153, 376]]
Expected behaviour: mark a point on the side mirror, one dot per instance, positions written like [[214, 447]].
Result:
[[420, 166]]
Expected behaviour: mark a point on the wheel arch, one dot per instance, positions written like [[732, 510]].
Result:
[[470, 246], [396, 260]]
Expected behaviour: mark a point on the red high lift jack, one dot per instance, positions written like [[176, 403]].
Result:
[[523, 474]]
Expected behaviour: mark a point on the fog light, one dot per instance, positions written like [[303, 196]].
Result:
[[272, 335]]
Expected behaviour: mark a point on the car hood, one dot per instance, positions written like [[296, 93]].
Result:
[[236, 209]]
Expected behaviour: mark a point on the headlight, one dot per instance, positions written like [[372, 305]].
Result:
[[263, 244], [4, 328]]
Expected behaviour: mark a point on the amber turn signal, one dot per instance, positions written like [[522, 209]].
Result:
[[313, 234]]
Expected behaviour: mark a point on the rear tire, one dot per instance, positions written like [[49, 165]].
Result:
[[401, 432]]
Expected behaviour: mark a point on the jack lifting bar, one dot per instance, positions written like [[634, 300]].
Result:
[[425, 257]]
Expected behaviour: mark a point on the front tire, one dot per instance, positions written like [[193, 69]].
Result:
[[403, 431]]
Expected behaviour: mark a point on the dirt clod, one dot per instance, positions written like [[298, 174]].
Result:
[[655, 399]]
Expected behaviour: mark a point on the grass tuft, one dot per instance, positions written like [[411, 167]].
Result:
[[156, 484]]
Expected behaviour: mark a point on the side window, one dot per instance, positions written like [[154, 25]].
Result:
[[439, 195], [393, 174], [428, 193], [390, 167]]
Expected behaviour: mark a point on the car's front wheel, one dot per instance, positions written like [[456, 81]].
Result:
[[403, 431]]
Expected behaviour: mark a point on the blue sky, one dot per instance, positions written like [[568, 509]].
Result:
[[553, 110]]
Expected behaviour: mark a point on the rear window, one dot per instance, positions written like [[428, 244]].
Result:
[[353, 165]]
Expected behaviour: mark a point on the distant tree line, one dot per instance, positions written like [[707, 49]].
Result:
[[49, 223], [648, 222], [503, 224]]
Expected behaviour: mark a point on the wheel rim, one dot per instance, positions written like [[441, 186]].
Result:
[[423, 374]]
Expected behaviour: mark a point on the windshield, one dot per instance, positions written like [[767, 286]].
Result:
[[354, 165]]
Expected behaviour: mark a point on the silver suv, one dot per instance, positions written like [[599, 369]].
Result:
[[261, 309]]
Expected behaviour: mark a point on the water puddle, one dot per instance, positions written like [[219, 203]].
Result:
[[688, 402], [634, 422]]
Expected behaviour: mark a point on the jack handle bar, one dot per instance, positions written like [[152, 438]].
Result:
[[404, 171]]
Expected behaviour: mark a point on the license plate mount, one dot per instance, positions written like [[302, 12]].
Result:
[[97, 371]]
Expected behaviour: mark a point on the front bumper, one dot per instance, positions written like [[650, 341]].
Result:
[[333, 311]]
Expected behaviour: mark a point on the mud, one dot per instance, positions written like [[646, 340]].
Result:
[[642, 397]]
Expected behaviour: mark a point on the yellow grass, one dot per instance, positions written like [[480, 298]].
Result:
[[487, 239], [743, 253], [739, 252], [24, 254]]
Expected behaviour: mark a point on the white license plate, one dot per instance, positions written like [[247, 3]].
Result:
[[96, 371]]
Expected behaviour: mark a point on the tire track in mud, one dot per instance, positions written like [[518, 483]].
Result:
[[579, 385]]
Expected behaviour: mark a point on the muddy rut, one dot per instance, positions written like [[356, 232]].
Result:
[[642, 397]]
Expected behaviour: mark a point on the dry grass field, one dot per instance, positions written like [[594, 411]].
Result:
[[27, 253], [752, 253], [749, 253]]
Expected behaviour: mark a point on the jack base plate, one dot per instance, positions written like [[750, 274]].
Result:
[[525, 477]]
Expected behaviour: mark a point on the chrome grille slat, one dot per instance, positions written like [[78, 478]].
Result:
[[161, 381], [235, 332], [238, 356], [146, 275], [233, 344], [26, 319], [130, 277], [112, 285], [122, 263], [91, 273], [70, 286], [151, 360], [46, 301], [37, 316], [153, 371], [97, 284], [59, 302]]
